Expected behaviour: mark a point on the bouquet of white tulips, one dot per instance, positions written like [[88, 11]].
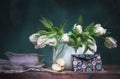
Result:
[[79, 35], [49, 35]]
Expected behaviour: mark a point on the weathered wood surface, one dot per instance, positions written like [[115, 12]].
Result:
[[106, 74]]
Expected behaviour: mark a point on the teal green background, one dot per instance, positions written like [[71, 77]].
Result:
[[20, 18]]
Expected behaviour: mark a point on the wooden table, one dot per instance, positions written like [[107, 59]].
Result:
[[106, 74]]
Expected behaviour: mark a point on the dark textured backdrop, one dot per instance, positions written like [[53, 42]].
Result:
[[20, 18]]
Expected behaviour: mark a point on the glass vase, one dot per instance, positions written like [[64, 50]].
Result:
[[64, 51]]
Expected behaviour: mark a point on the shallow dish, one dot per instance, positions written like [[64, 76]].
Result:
[[22, 59]]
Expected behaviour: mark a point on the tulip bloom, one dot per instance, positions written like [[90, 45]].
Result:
[[78, 28], [99, 30], [110, 42]]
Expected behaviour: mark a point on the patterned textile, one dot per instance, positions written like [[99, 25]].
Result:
[[86, 63]]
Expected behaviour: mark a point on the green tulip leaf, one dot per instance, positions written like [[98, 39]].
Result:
[[80, 20], [47, 23]]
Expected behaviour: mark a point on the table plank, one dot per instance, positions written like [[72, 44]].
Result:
[[110, 72]]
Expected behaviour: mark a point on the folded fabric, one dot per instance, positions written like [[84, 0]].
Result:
[[86, 62]]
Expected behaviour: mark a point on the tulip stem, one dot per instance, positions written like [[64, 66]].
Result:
[[60, 51]]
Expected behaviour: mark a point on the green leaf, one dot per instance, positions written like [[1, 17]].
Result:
[[47, 23], [56, 29], [90, 27], [86, 47], [78, 43], [85, 36], [43, 32], [85, 33], [71, 42], [51, 35], [61, 30], [93, 40], [37, 35], [63, 24], [57, 38], [90, 42], [79, 21], [74, 31]]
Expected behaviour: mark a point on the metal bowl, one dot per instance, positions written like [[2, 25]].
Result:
[[22, 59]]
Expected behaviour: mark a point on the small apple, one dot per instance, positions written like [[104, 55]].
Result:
[[56, 67], [61, 62], [59, 65]]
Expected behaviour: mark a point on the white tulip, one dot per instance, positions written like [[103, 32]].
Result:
[[78, 28], [110, 42], [99, 30], [39, 46], [33, 38], [93, 47], [65, 38], [52, 42], [41, 42]]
